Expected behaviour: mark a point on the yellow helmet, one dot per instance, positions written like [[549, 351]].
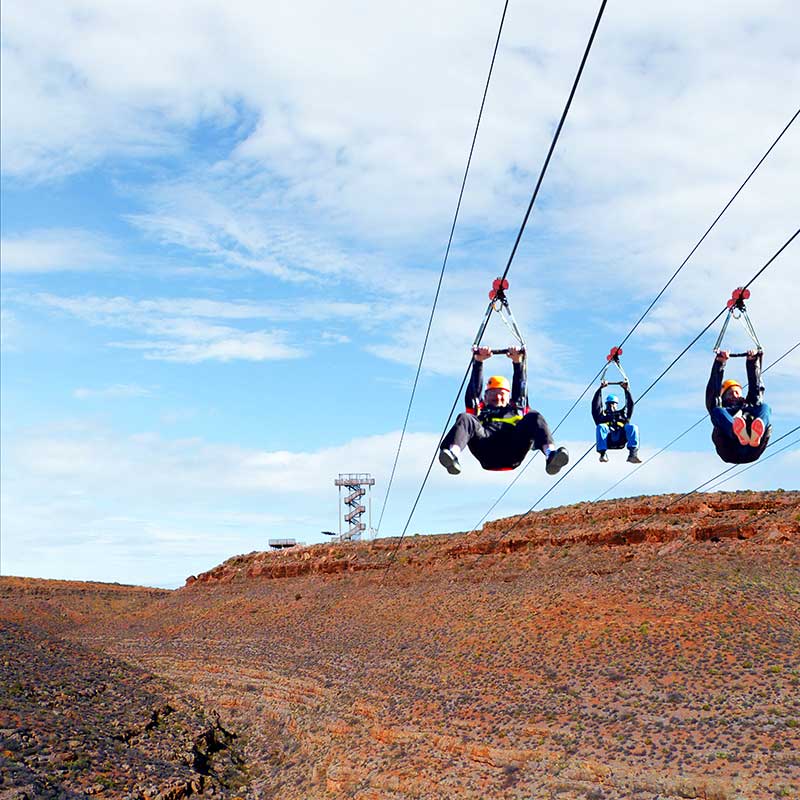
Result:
[[728, 384], [498, 382]]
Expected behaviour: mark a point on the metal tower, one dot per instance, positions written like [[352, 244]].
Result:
[[355, 483]]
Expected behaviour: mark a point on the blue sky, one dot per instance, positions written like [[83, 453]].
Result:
[[222, 229]]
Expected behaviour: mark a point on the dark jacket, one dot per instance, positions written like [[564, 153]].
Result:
[[615, 420], [755, 389], [494, 418], [728, 448]]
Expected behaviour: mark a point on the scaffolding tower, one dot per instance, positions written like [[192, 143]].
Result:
[[354, 483]]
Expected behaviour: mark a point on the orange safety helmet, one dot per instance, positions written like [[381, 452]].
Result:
[[498, 382], [728, 384]]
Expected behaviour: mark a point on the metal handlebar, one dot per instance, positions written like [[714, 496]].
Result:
[[502, 352], [740, 355]]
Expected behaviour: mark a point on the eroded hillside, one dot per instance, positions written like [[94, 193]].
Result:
[[572, 656]]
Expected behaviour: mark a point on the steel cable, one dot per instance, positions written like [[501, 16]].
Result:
[[650, 307], [660, 376], [444, 265], [754, 464], [514, 249], [680, 436]]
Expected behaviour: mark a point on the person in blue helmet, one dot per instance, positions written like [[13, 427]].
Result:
[[614, 429]]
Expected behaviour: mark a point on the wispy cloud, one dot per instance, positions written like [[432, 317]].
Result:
[[181, 330], [225, 344], [117, 391], [55, 250], [278, 189]]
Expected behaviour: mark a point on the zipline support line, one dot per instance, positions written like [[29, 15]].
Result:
[[556, 135], [650, 307], [754, 464], [711, 227], [695, 490], [444, 265], [519, 235]]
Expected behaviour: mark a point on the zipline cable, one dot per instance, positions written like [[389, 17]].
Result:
[[650, 307], [555, 137], [680, 436], [724, 311], [511, 257], [444, 264], [621, 536], [710, 227], [639, 399], [433, 458]]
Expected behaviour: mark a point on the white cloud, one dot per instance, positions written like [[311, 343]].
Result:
[[355, 129], [317, 150], [180, 329], [219, 344], [117, 391], [53, 250], [342, 147]]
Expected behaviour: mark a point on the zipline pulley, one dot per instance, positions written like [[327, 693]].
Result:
[[738, 310], [613, 358], [498, 302]]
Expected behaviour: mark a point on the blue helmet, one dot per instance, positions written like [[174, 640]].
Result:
[[612, 398]]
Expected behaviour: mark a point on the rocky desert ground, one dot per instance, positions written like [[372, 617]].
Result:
[[639, 648]]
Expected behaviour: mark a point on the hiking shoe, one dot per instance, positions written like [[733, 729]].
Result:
[[603, 456], [633, 456], [449, 461], [740, 430], [757, 429], [557, 459]]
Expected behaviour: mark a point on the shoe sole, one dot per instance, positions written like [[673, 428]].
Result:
[[740, 431], [559, 460], [757, 429], [447, 462]]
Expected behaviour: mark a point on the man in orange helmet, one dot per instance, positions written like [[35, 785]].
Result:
[[741, 424], [499, 429]]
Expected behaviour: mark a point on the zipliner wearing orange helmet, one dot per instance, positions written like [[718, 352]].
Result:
[[741, 424], [499, 429]]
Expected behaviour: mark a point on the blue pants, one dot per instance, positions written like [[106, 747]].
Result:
[[727, 445], [723, 419], [618, 438]]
